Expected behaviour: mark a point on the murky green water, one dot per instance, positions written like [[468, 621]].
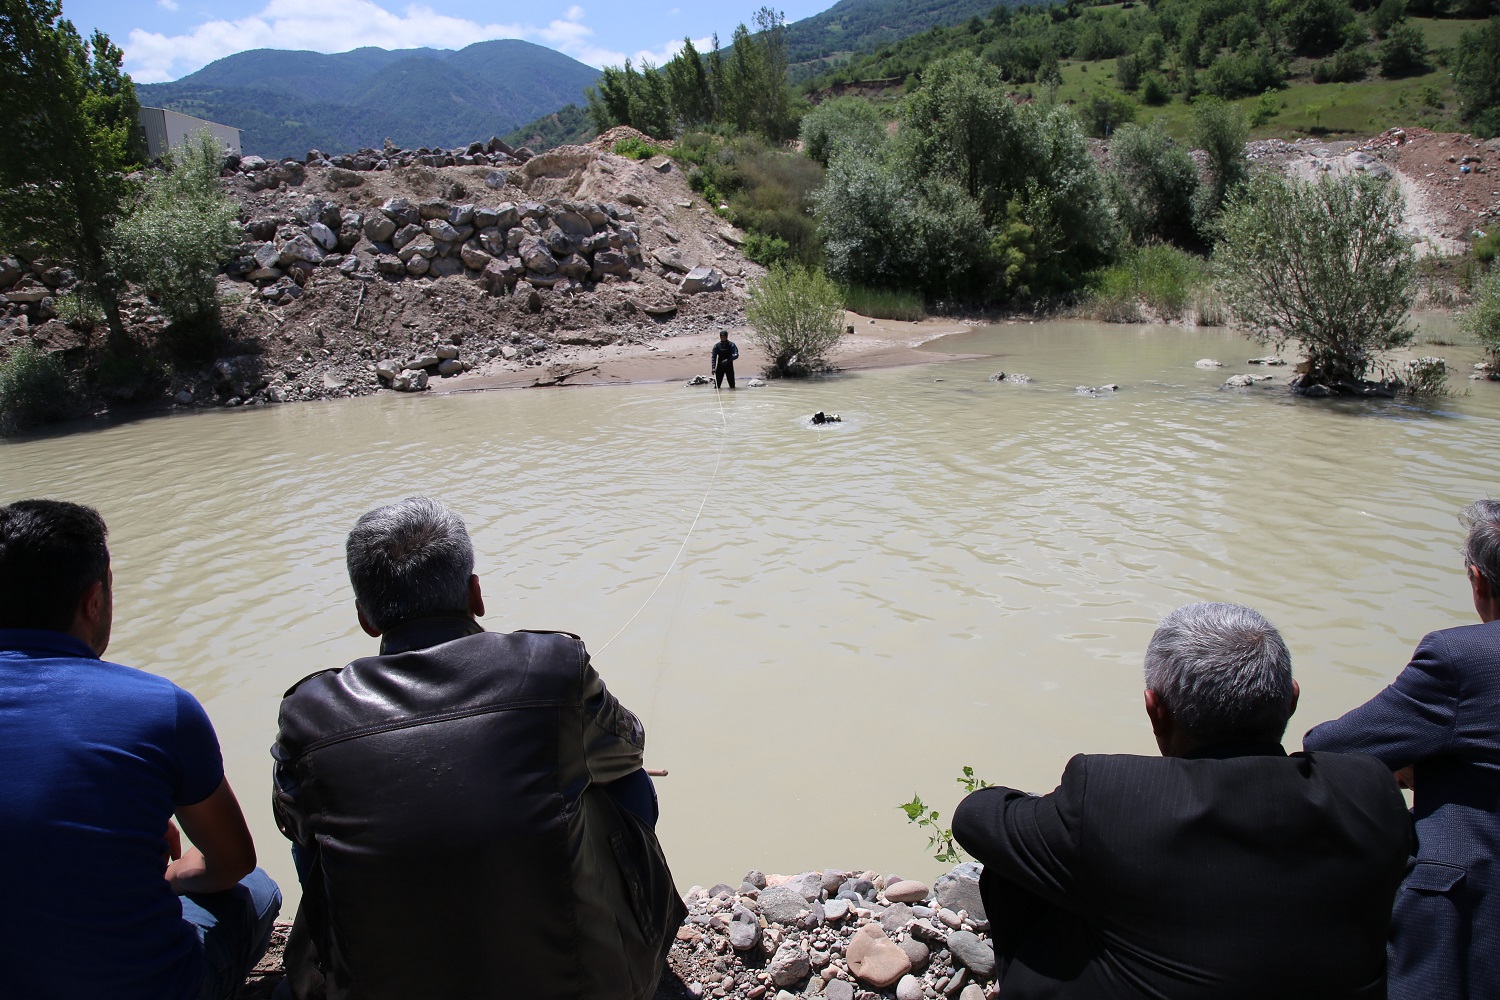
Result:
[[962, 572]]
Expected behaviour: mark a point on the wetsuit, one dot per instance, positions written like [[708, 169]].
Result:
[[724, 355]]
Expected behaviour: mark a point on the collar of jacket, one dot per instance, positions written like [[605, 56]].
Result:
[[419, 633], [1223, 751]]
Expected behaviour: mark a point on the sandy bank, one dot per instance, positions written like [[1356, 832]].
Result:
[[874, 344]]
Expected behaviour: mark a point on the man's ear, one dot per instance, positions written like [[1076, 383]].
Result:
[[476, 599], [1161, 720], [1296, 693], [90, 618], [364, 623]]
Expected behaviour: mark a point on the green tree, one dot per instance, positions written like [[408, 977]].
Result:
[[841, 125], [651, 104], [689, 87], [1153, 181], [181, 231], [72, 135], [1326, 264], [1476, 77], [1220, 130], [1404, 52], [1315, 27], [1481, 320], [796, 317]]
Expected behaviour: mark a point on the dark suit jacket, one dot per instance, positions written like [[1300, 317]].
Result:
[[1246, 874], [1442, 714]]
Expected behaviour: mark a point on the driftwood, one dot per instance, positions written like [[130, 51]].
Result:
[[559, 377]]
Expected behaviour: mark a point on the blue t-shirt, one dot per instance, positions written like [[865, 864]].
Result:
[[94, 759]]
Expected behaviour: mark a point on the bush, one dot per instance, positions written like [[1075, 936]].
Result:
[[884, 303], [1242, 73], [768, 250], [633, 147], [796, 317], [181, 231], [1476, 77], [1158, 276], [1154, 90], [1105, 111], [1152, 181], [1486, 248], [1325, 264], [842, 125], [80, 310], [1481, 320], [1404, 52], [1425, 377], [1347, 66], [33, 389], [769, 191]]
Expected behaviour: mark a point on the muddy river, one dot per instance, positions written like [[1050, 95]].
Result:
[[961, 572]]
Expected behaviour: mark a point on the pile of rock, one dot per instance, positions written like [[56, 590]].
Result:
[[263, 173], [512, 247], [835, 934], [29, 287], [414, 374]]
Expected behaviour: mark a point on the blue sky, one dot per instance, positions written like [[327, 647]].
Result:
[[167, 39]]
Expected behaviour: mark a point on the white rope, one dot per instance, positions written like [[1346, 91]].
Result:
[[713, 480]]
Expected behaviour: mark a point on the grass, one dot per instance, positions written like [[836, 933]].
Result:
[[1371, 105], [1159, 277], [884, 303]]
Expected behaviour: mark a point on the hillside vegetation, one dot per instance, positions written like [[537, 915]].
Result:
[[1315, 66], [286, 103]]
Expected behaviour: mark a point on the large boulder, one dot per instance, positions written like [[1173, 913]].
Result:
[[302, 248], [671, 259], [474, 258], [400, 211], [574, 266], [422, 246], [701, 279], [378, 228], [434, 208], [535, 255], [875, 959], [498, 277], [611, 262], [401, 237], [445, 267], [572, 223], [323, 236]]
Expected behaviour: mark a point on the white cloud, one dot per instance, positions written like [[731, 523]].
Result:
[[666, 52], [341, 25], [167, 4]]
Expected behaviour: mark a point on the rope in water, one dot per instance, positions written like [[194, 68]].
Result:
[[712, 482]]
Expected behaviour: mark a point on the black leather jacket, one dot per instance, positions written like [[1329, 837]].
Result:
[[448, 795]]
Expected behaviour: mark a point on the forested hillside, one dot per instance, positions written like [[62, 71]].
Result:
[[289, 102]]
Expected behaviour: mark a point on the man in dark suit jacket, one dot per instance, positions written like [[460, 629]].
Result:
[[1222, 869], [1441, 718]]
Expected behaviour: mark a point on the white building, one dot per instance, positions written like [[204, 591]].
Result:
[[167, 130]]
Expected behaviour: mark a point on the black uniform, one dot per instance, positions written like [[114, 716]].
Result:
[[724, 355]]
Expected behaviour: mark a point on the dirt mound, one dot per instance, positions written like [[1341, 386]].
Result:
[[311, 330], [1450, 181]]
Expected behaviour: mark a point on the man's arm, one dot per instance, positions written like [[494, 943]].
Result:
[[614, 741], [734, 351], [1028, 840], [1412, 718], [223, 852]]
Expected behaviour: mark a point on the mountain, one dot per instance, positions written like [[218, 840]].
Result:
[[864, 25], [287, 102]]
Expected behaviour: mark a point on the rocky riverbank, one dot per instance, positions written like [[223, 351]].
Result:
[[842, 935]]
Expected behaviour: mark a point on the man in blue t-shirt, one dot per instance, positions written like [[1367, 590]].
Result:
[[96, 759]]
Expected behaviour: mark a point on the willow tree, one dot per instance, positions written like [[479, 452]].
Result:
[[1326, 265], [71, 137]]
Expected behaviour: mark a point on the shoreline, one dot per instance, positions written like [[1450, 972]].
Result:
[[875, 343], [842, 935]]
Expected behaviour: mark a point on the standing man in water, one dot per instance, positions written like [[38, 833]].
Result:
[[1221, 870], [1440, 718], [96, 760], [724, 355], [469, 810]]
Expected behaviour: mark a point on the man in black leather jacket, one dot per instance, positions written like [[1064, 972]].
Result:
[[468, 809]]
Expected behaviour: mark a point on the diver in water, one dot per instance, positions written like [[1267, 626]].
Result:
[[722, 360]]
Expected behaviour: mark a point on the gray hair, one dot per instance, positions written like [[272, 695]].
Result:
[[1482, 547], [1223, 671], [409, 560]]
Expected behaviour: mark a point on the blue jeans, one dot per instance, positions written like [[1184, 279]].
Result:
[[235, 928]]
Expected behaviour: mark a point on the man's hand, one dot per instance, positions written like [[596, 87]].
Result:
[[224, 852], [173, 837]]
